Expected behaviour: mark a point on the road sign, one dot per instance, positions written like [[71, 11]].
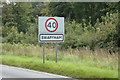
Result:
[[51, 29]]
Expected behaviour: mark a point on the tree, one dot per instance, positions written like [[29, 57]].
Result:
[[62, 9], [8, 16], [22, 15]]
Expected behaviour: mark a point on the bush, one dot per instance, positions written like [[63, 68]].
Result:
[[102, 34]]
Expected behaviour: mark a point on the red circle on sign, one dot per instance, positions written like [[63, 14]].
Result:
[[56, 25]]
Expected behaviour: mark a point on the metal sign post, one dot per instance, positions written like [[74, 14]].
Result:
[[56, 52], [43, 53]]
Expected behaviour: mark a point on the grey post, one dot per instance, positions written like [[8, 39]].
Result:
[[43, 53], [56, 52]]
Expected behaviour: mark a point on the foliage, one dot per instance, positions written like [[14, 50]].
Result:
[[74, 70], [99, 58], [103, 35], [71, 62], [86, 24]]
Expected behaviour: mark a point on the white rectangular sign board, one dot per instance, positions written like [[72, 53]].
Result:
[[51, 29]]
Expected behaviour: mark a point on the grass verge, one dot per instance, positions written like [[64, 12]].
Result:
[[75, 70]]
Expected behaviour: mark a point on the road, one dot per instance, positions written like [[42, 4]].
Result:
[[15, 72]]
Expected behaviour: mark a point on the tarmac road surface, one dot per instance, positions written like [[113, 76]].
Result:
[[15, 72]]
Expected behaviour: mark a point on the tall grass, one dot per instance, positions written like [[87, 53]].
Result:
[[70, 69], [100, 58]]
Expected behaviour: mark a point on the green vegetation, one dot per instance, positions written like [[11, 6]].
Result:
[[91, 38], [75, 70], [86, 24], [74, 63]]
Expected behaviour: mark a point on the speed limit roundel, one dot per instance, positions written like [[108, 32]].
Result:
[[51, 25]]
